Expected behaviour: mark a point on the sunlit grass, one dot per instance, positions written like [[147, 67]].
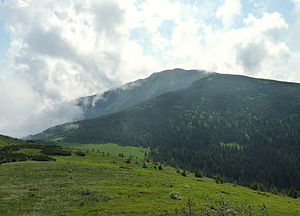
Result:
[[98, 184]]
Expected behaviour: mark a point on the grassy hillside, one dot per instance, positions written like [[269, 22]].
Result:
[[16, 150], [102, 183], [109, 147], [5, 140], [241, 128]]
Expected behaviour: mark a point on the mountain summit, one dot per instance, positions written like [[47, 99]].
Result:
[[135, 92]]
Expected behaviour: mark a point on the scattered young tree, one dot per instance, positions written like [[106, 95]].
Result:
[[144, 165], [199, 174], [79, 153]]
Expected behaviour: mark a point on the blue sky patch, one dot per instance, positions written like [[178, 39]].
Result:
[[4, 41], [166, 29]]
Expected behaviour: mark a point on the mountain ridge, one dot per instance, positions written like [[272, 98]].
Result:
[[132, 93], [243, 128]]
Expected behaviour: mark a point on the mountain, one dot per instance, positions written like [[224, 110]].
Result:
[[242, 128], [135, 92]]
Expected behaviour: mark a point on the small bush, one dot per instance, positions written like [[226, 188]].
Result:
[[144, 165], [199, 174], [42, 158], [186, 186], [218, 208], [55, 150], [81, 154], [219, 180], [10, 148], [175, 195], [86, 192]]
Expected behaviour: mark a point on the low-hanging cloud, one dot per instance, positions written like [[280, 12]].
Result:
[[59, 51]]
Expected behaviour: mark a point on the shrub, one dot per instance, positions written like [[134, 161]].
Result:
[[86, 192], [175, 195], [224, 207], [42, 158], [199, 174], [144, 165], [187, 186], [219, 208], [219, 179], [81, 154], [55, 150], [10, 148]]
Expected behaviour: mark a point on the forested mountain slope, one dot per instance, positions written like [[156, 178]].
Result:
[[243, 128]]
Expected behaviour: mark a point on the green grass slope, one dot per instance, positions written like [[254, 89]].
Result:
[[109, 147], [5, 140], [106, 184]]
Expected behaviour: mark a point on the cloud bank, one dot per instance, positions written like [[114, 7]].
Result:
[[61, 50]]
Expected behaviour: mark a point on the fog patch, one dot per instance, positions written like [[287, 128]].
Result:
[[70, 127], [131, 85]]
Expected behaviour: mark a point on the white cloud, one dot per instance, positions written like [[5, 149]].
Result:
[[61, 42], [24, 111], [259, 45], [229, 11], [295, 30]]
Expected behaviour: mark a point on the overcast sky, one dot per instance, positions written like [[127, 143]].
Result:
[[53, 51]]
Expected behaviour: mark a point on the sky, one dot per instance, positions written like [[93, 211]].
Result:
[[54, 51]]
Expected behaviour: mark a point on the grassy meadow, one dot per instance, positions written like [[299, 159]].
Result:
[[5, 140], [103, 183]]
